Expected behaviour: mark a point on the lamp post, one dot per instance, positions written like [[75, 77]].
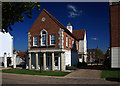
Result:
[[40, 57]]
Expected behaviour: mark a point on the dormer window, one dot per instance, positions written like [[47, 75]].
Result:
[[35, 41]]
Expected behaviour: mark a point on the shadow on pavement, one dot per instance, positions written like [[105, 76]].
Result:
[[96, 67], [113, 79]]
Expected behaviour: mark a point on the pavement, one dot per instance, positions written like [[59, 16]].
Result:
[[85, 73], [4, 68], [81, 76]]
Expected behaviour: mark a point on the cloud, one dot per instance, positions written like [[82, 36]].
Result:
[[72, 7], [94, 38], [73, 11], [73, 14]]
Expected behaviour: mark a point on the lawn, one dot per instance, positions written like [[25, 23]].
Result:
[[110, 74], [35, 72]]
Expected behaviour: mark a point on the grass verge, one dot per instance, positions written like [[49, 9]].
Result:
[[110, 74], [35, 72]]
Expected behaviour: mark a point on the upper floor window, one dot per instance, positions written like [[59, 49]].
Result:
[[66, 41], [70, 42], [93, 52], [90, 52], [44, 38], [52, 39], [35, 41], [77, 46]]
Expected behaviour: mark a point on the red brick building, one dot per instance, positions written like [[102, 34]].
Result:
[[53, 44], [115, 34]]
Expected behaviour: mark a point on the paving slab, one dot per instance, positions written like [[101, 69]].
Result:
[[85, 73]]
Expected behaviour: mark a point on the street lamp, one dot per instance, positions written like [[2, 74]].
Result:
[[40, 58]]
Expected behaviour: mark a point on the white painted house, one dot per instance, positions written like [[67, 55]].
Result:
[[6, 47]]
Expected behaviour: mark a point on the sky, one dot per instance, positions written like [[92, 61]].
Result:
[[91, 16]]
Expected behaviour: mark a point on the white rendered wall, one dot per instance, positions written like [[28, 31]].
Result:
[[85, 44], [68, 58], [81, 46], [6, 44], [85, 48], [115, 57]]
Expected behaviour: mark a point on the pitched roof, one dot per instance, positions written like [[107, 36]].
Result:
[[59, 24], [22, 53], [79, 34]]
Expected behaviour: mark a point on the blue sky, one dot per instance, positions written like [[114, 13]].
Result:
[[92, 16]]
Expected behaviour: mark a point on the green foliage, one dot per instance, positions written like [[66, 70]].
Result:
[[99, 54], [35, 72], [13, 12]]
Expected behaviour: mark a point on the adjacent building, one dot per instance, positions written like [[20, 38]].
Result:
[[91, 55], [115, 34], [6, 48], [21, 58], [54, 46]]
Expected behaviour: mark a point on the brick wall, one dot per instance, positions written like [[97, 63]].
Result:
[[115, 25]]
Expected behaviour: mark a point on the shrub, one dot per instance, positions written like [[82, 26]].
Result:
[[71, 68]]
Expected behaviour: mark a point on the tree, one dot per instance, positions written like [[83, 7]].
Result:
[[12, 12], [98, 54]]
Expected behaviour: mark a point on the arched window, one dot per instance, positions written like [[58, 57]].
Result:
[[43, 38]]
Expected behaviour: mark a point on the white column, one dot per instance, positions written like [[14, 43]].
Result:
[[52, 61], [5, 60], [14, 60], [44, 61], [59, 61]]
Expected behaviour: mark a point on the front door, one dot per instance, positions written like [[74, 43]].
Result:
[[48, 61]]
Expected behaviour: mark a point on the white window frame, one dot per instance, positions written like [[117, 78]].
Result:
[[41, 38], [34, 40], [66, 41], [70, 42], [51, 40]]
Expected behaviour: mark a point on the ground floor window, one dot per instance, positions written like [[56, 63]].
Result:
[[56, 59], [48, 59], [40, 59]]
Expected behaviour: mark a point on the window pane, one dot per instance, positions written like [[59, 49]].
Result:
[[52, 39], [70, 43], [66, 41], [56, 61], [35, 40], [44, 38]]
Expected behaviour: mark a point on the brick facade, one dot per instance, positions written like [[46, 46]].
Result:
[[57, 56], [115, 25]]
